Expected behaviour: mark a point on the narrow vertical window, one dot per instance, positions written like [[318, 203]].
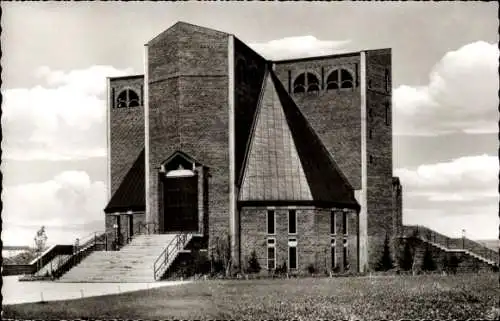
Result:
[[270, 222], [371, 159], [387, 115], [271, 254], [333, 224], [370, 133], [292, 253], [292, 222], [387, 80], [113, 105], [344, 223], [289, 81], [346, 255], [334, 254]]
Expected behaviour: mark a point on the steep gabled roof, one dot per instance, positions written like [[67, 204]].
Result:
[[130, 195], [326, 181], [286, 160]]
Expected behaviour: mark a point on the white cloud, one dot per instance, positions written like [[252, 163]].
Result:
[[471, 171], [461, 96], [69, 206], [298, 47], [449, 196], [62, 119]]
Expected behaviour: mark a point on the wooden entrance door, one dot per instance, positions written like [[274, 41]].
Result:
[[180, 195]]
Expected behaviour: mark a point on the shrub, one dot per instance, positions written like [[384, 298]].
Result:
[[428, 263], [253, 263]]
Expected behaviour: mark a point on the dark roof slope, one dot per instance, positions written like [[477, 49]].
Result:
[[130, 195], [326, 181]]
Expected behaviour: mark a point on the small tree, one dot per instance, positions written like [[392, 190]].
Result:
[[428, 263], [253, 263], [385, 263], [406, 261], [40, 240]]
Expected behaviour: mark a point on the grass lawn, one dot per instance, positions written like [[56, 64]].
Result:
[[362, 298]]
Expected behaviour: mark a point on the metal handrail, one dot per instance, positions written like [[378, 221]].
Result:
[[176, 244]]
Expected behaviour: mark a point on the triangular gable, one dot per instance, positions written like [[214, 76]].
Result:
[[273, 170], [325, 179], [130, 195]]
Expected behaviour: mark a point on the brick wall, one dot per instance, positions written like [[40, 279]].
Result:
[[126, 129], [379, 152], [188, 97], [313, 238]]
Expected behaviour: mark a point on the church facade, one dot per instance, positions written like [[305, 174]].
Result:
[[290, 160]]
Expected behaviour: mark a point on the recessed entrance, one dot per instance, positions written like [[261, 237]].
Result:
[[180, 201]]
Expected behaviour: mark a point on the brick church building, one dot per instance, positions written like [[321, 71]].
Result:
[[289, 159]]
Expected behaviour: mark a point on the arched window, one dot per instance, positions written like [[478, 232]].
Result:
[[346, 79], [332, 82], [339, 78], [306, 82], [312, 83], [299, 85], [127, 98]]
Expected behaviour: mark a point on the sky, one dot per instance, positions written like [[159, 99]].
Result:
[[56, 57]]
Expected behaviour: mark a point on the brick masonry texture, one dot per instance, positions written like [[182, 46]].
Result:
[[126, 129], [313, 238], [379, 152], [188, 96]]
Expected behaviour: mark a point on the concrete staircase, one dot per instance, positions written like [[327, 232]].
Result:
[[446, 244], [133, 263]]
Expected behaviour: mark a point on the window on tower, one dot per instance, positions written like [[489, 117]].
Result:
[[339, 78], [127, 98], [306, 82]]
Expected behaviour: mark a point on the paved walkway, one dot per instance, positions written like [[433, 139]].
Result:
[[15, 292]]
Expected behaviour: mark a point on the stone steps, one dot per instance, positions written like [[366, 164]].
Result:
[[133, 263]]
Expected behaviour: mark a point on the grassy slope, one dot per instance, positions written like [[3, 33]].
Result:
[[432, 297]]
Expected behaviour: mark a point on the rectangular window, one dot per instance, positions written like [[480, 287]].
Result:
[[271, 254], [292, 253], [370, 134], [344, 223], [334, 254], [270, 222], [292, 222], [346, 256], [113, 98], [289, 81], [333, 224], [387, 115]]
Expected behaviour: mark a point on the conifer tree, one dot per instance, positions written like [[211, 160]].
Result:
[[385, 263], [428, 263]]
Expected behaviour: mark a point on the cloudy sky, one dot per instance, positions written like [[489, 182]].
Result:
[[56, 57]]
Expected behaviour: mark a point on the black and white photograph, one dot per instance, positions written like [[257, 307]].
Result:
[[250, 160]]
